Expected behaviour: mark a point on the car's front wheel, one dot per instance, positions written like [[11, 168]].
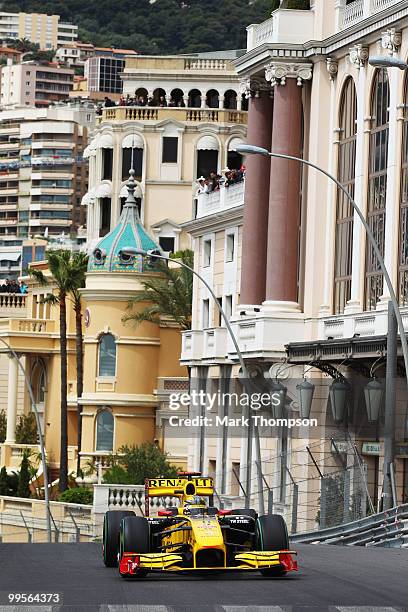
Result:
[[111, 526], [271, 534], [134, 537]]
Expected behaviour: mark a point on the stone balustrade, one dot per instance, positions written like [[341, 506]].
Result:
[[354, 12], [13, 305], [221, 199], [193, 115]]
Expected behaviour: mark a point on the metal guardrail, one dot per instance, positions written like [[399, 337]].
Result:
[[388, 528]]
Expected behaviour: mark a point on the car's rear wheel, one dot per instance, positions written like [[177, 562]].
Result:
[[271, 534], [111, 526], [134, 537]]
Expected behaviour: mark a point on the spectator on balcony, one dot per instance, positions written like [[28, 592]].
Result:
[[162, 101], [23, 287], [108, 102], [150, 101], [202, 187], [213, 181]]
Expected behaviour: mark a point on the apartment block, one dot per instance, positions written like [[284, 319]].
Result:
[[42, 173], [30, 84], [45, 30]]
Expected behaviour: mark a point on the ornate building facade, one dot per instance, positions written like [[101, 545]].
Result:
[[310, 293]]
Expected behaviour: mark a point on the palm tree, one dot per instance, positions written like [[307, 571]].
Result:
[[68, 275], [168, 294], [80, 262]]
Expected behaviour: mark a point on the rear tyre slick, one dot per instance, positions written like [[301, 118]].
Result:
[[271, 534]]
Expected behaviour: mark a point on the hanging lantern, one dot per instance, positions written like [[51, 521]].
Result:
[[279, 392], [338, 398], [306, 390], [373, 394]]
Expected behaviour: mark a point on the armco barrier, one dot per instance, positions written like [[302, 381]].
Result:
[[388, 528]]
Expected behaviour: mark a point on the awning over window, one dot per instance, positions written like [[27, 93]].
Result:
[[132, 141], [208, 143], [104, 190], [10, 256], [105, 141], [88, 198]]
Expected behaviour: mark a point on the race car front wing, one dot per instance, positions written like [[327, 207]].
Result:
[[131, 563]]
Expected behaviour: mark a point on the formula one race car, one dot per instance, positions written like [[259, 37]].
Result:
[[194, 536]]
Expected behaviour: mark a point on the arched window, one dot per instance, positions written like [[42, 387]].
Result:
[[344, 210], [377, 185], [230, 99], [107, 355], [403, 223], [194, 98], [213, 98], [104, 431], [177, 97]]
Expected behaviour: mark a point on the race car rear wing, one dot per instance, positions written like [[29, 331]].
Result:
[[177, 487]]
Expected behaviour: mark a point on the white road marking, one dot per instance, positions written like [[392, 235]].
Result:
[[133, 608], [365, 609], [255, 608]]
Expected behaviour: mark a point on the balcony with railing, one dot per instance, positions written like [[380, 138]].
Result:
[[351, 13], [189, 115], [16, 326], [220, 200], [285, 26], [175, 64]]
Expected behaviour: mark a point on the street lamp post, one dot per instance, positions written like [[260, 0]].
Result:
[[40, 435], [253, 150], [131, 251]]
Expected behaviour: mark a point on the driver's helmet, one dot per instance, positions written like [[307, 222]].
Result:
[[194, 500]]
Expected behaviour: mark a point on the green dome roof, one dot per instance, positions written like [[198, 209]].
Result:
[[129, 232]]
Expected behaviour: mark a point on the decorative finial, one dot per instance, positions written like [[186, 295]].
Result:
[[131, 186]]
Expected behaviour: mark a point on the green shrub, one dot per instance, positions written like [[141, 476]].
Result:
[[135, 463], [77, 495], [117, 475], [3, 481], [3, 426], [8, 482], [12, 481], [26, 429], [24, 478]]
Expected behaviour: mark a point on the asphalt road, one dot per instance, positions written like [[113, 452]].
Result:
[[331, 579]]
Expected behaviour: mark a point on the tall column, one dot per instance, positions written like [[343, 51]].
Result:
[[12, 400], [255, 228], [394, 154], [359, 57], [330, 238], [284, 196]]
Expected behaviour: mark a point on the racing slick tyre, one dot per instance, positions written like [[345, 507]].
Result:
[[134, 536], [271, 534], [111, 526]]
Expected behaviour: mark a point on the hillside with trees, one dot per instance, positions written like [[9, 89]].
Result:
[[159, 26]]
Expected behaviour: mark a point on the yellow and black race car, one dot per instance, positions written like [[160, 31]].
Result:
[[194, 536]]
